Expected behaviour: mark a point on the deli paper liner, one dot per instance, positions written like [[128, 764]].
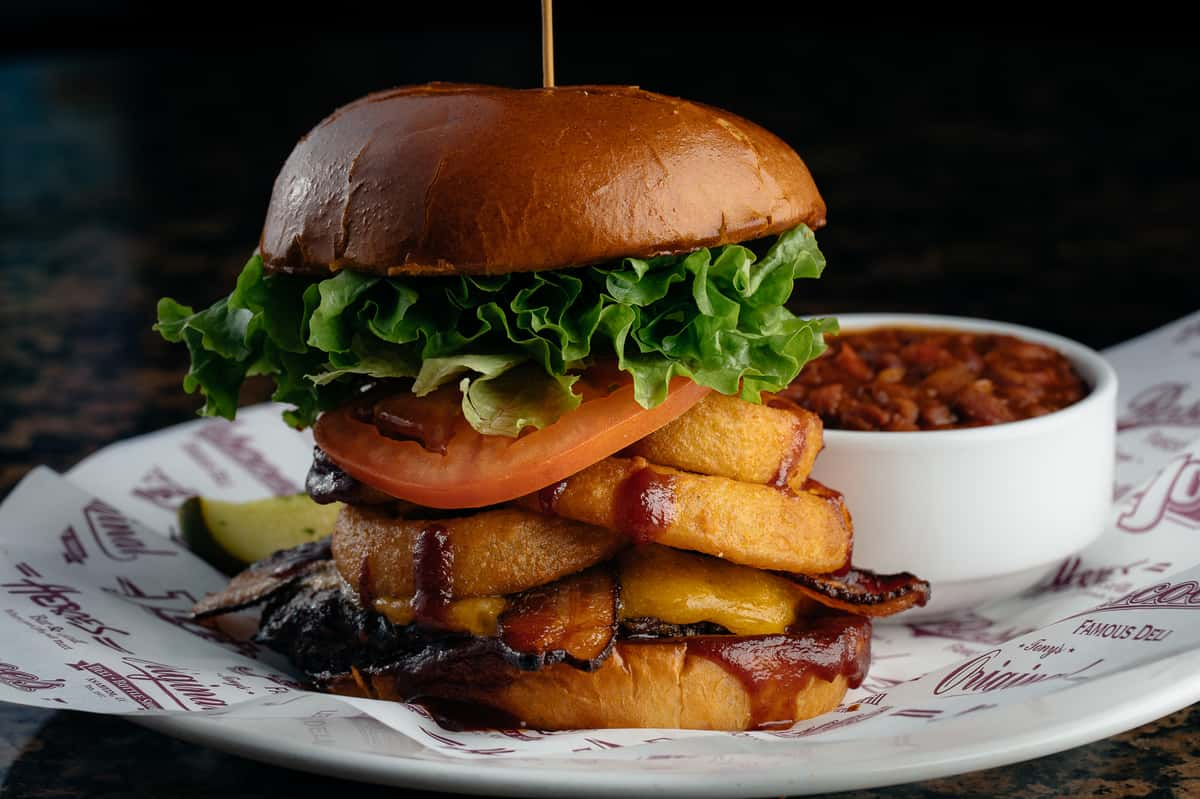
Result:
[[95, 590]]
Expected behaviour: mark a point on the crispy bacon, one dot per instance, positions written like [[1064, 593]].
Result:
[[573, 619], [399, 414], [264, 579], [309, 618], [324, 633], [863, 592]]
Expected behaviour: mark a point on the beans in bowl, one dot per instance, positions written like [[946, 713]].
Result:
[[899, 378]]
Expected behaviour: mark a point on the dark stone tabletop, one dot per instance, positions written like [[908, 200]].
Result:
[[1040, 180]]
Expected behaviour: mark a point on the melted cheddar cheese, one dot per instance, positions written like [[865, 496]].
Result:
[[658, 582], [685, 588], [476, 615]]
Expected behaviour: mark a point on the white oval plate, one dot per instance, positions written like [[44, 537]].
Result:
[[750, 767]]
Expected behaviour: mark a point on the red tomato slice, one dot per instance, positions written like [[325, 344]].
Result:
[[478, 470]]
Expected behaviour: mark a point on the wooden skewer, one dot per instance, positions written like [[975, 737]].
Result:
[[547, 44]]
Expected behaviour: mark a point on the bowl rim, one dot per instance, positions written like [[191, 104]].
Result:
[[1093, 367]]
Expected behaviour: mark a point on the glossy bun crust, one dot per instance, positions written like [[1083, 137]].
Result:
[[448, 178], [656, 684]]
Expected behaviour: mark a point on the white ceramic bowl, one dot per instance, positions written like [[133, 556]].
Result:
[[981, 512]]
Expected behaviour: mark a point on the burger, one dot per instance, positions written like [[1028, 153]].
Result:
[[538, 335]]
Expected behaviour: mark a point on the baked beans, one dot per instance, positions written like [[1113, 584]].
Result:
[[901, 378]]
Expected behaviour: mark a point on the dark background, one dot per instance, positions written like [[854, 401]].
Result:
[[1046, 180], [1017, 170]]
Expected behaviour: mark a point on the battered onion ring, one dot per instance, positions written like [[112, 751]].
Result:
[[773, 443], [493, 553], [807, 532]]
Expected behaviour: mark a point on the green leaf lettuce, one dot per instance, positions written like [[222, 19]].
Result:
[[514, 343]]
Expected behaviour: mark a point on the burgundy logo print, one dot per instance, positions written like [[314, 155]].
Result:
[[115, 535], [1160, 404], [240, 449], [62, 601], [172, 684], [982, 675], [1174, 494], [1187, 333], [1183, 596], [159, 488], [13, 677], [73, 551], [970, 627]]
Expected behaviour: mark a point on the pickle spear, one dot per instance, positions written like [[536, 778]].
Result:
[[232, 535]]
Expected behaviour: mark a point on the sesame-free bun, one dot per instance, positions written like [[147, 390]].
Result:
[[448, 179], [655, 684]]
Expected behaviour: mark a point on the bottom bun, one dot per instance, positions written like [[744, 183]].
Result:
[[653, 683]]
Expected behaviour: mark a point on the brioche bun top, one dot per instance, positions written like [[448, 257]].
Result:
[[465, 179]]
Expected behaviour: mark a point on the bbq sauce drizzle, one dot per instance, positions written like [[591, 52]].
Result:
[[644, 503], [548, 497], [397, 413], [433, 576], [775, 668], [791, 456]]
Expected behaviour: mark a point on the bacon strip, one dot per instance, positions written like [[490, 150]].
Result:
[[399, 414], [573, 619], [863, 592], [264, 579]]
